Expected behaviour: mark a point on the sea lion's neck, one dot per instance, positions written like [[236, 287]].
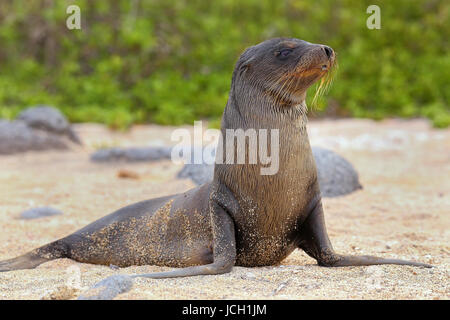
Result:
[[250, 108], [291, 166]]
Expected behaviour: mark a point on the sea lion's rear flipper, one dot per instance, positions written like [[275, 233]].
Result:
[[36, 257], [315, 242], [27, 261], [224, 242]]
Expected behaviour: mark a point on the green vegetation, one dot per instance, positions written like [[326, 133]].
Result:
[[170, 61]]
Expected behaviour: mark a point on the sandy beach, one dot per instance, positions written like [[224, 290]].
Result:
[[403, 211]]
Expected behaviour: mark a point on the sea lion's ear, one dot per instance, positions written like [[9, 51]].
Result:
[[246, 60], [245, 65]]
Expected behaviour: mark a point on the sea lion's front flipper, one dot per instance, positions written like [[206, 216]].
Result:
[[224, 243], [315, 242]]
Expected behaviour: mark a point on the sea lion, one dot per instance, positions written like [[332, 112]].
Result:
[[242, 217]]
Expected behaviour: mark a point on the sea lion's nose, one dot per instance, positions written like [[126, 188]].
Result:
[[328, 51]]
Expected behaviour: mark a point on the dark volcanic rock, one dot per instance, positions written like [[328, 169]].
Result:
[[140, 154], [198, 173], [131, 154], [17, 137], [48, 119], [337, 176], [40, 212], [35, 129], [108, 288]]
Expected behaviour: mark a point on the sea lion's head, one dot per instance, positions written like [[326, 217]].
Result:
[[282, 69]]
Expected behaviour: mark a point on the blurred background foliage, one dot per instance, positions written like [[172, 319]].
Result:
[[170, 61]]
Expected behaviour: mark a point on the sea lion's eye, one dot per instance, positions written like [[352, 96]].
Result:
[[283, 53]]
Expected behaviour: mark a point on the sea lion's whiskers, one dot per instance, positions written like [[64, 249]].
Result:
[[279, 90], [282, 94], [325, 83]]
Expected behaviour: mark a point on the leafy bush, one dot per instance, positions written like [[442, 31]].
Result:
[[170, 61]]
